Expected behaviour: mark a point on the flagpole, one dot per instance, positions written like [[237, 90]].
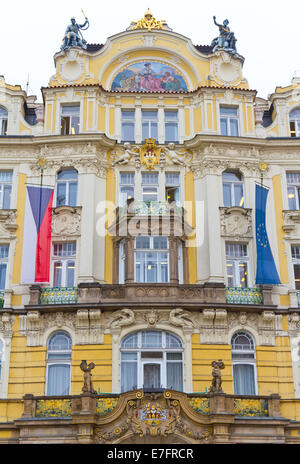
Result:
[[42, 163]]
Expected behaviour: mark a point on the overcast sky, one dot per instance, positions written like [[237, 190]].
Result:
[[268, 33]]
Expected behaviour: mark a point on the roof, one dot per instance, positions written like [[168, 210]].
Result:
[[206, 49], [93, 48]]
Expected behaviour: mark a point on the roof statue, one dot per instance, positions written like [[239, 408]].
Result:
[[73, 36], [148, 22], [226, 39]]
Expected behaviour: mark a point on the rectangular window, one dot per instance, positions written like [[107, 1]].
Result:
[[296, 265], [70, 119], [233, 189], [149, 186], [173, 187], [127, 125], [229, 121], [244, 379], [64, 264], [171, 126], [128, 372], [3, 121], [5, 189], [126, 187], [149, 124], [4, 249], [293, 186], [151, 260], [237, 265]]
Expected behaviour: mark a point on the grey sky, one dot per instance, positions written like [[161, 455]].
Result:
[[267, 31]]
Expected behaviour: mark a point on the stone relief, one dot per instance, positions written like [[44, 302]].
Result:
[[6, 324], [122, 318], [182, 157], [291, 224], [8, 224], [66, 222], [181, 318], [236, 222]]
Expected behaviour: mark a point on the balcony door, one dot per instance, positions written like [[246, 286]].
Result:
[[152, 374]]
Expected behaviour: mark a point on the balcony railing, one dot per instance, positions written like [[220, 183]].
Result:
[[58, 295], [1, 298], [151, 208], [240, 295]]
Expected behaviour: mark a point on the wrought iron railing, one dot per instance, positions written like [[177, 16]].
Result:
[[151, 208], [58, 295], [240, 295], [1, 298]]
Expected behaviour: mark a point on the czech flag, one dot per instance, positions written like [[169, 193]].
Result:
[[37, 235]]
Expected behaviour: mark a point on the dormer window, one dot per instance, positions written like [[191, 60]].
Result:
[[295, 123], [3, 121], [70, 119], [229, 121]]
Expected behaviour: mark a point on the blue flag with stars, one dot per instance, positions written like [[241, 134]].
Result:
[[266, 272]]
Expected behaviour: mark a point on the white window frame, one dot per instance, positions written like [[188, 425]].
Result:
[[67, 182], [127, 121], [58, 361], [171, 121], [295, 261], [130, 185], [236, 261], [5, 261], [251, 361], [293, 188], [161, 361], [64, 260], [70, 116], [152, 250], [233, 183], [3, 120], [3, 184], [150, 120], [150, 185], [228, 118]]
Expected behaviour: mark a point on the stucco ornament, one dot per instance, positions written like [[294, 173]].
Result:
[[122, 318], [123, 156], [148, 22], [226, 39], [73, 36], [236, 222], [152, 318], [180, 318], [66, 221], [177, 158]]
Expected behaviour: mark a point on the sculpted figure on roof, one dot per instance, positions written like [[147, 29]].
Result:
[[226, 39], [73, 36]]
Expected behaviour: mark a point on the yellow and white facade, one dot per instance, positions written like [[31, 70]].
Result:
[[214, 138]]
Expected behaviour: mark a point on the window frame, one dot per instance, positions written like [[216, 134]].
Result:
[[156, 251], [64, 260], [228, 119], [171, 121], [236, 260], [162, 361], [295, 187], [4, 260], [233, 184], [295, 262], [131, 121], [71, 115], [3, 121], [244, 361], [67, 183], [154, 120], [296, 121], [4, 184], [67, 361], [124, 185]]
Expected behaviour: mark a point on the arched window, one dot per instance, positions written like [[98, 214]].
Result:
[[1, 355], [151, 360], [66, 189], [59, 355], [244, 364], [233, 189], [295, 123], [3, 121]]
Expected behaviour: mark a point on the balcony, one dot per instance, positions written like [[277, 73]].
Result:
[[240, 295], [149, 208]]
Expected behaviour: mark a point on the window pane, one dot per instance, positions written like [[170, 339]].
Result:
[[243, 271], [70, 109], [72, 194], [232, 176], [70, 274], [60, 341], [297, 276], [61, 194], [3, 267], [142, 242], [234, 127], [172, 179], [67, 174], [3, 113], [75, 125], [127, 178], [238, 195], [6, 196], [126, 193], [244, 383], [128, 132], [171, 115], [129, 356], [160, 243], [128, 376], [58, 380], [57, 277], [152, 376], [175, 376], [149, 115], [230, 274], [149, 178], [131, 341], [4, 251], [224, 130], [151, 339], [172, 341], [150, 194], [128, 115], [153, 131], [227, 195], [226, 111]]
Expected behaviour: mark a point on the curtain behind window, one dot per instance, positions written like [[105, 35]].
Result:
[[244, 382]]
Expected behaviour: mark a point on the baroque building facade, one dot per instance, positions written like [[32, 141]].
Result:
[[153, 147]]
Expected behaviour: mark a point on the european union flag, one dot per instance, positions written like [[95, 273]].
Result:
[[266, 272]]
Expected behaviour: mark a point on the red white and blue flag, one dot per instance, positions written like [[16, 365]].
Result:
[[37, 235]]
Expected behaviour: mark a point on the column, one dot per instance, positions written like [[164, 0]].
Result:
[[129, 266], [173, 260]]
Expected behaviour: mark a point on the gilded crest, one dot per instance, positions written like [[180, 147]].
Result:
[[150, 154]]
